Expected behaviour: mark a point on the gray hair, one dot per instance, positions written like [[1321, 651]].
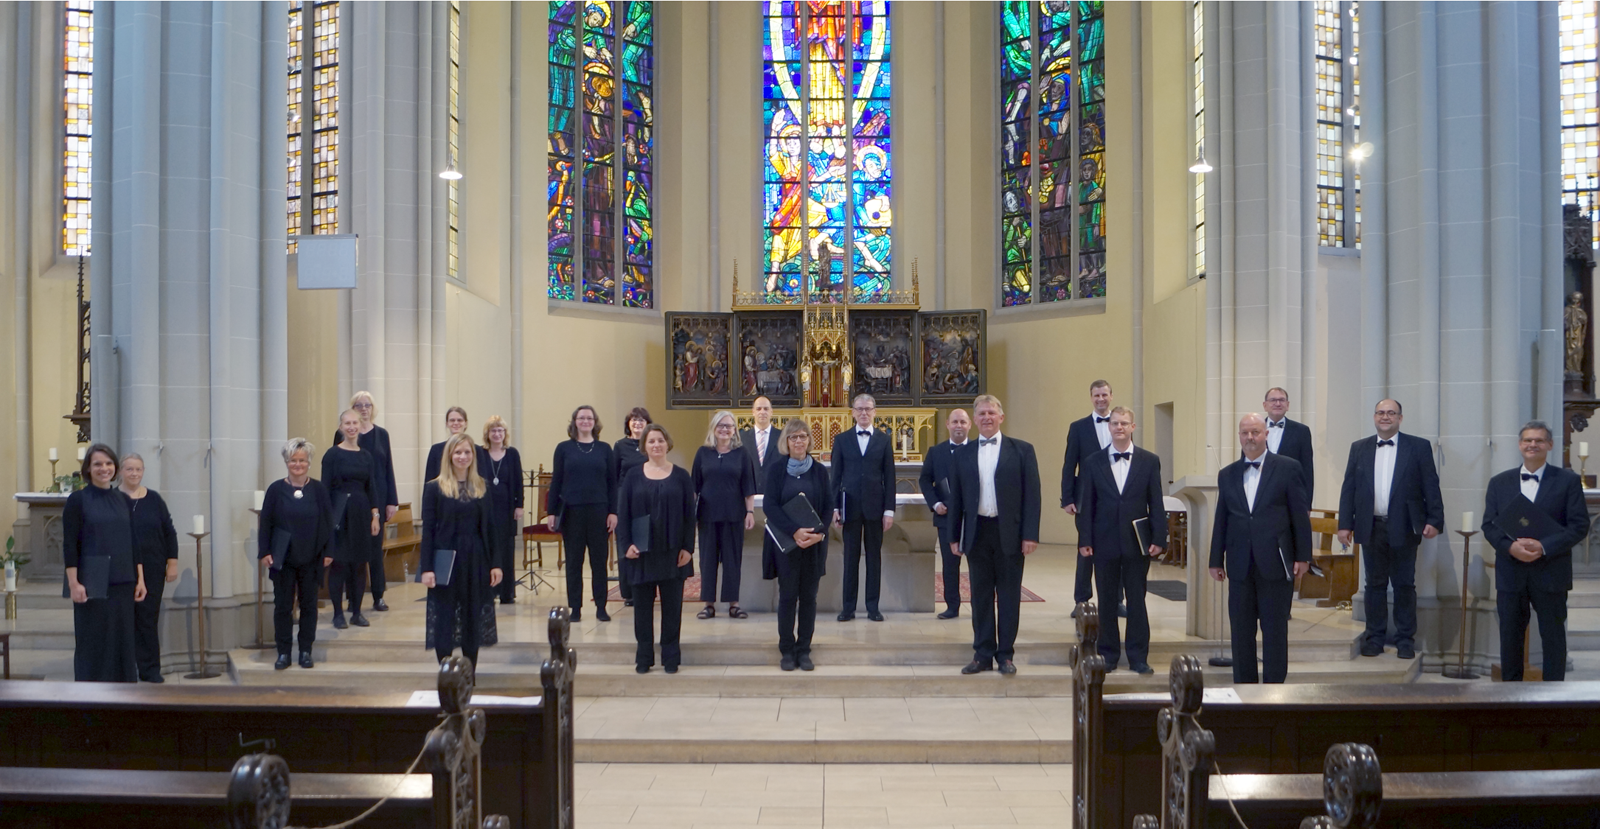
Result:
[[1532, 424], [298, 445], [133, 456], [711, 430]]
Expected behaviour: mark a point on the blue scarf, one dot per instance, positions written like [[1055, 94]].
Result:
[[799, 467]]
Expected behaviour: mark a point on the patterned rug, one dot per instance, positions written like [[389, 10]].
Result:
[[691, 591]]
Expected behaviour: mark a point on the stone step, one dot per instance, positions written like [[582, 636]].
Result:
[[1583, 628]]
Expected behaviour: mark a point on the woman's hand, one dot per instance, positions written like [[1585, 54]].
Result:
[[806, 538], [139, 592], [428, 579], [80, 594], [376, 527], [495, 576], [172, 569], [633, 551], [611, 523], [327, 561], [267, 558], [683, 557], [517, 514], [550, 521], [389, 516], [749, 520]]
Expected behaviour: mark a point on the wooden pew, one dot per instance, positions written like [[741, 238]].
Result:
[[400, 548], [526, 757], [1338, 581]]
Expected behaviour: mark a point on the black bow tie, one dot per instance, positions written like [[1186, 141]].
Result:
[[864, 434], [1385, 443], [1120, 456], [1253, 464], [1099, 419], [987, 441], [1529, 477], [1278, 425]]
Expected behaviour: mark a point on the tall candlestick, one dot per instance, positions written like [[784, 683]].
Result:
[[199, 525]]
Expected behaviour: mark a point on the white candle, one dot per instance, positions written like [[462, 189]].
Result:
[[1583, 449], [199, 525], [11, 581], [261, 499], [82, 451], [53, 455], [1466, 523]]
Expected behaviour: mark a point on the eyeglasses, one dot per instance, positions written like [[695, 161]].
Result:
[[362, 406], [865, 409]]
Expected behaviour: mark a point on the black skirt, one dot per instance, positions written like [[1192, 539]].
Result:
[[474, 603], [104, 634]]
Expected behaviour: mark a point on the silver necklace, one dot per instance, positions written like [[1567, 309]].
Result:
[[497, 468], [592, 444], [298, 493]]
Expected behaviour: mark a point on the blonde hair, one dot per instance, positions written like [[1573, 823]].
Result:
[[367, 396], [341, 423], [300, 445], [987, 398], [449, 487], [493, 421], [711, 431]]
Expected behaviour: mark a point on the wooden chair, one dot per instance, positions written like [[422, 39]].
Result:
[[401, 544], [1338, 582]]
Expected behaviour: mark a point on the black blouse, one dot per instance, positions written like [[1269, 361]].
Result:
[[355, 473], [96, 522], [670, 504], [628, 455], [154, 538], [308, 520], [722, 481], [430, 470], [504, 480], [583, 473], [376, 443], [460, 524]]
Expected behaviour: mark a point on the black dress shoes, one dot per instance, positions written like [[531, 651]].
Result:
[[641, 669], [874, 615], [1007, 667], [282, 663], [671, 669], [338, 621], [577, 614], [359, 621], [804, 661], [380, 605], [950, 614], [1406, 652], [1143, 669], [601, 614], [975, 666], [1370, 650], [847, 615], [787, 664], [305, 659]]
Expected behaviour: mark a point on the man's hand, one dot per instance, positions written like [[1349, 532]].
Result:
[[1301, 568], [683, 557], [633, 551], [1086, 552], [1523, 549], [516, 515], [1028, 547], [1072, 509], [551, 521], [611, 523], [1430, 531], [837, 520], [1345, 536], [1217, 573], [955, 548], [1156, 550], [888, 521], [268, 559], [941, 508]]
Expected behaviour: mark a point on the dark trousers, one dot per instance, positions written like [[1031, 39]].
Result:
[[444, 604], [1125, 574], [721, 543], [644, 627], [1552, 610], [375, 568], [147, 620], [1386, 564], [996, 577], [504, 556], [347, 584], [859, 533], [583, 530], [1253, 601], [291, 584], [799, 573], [950, 564]]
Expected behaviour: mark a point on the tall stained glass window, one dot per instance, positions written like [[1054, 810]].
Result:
[[826, 160], [1580, 112], [453, 144], [1338, 122], [601, 124], [313, 119], [1052, 125], [78, 88], [1198, 77]]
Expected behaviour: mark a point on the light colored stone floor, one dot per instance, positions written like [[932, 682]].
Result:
[[723, 796]]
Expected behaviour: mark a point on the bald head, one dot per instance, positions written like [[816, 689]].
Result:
[[1253, 435]]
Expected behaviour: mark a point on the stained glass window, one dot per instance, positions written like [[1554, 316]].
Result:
[[1338, 122], [318, 97], [453, 144], [296, 52], [593, 146], [1198, 76], [1052, 245], [1580, 115], [78, 87], [827, 154]]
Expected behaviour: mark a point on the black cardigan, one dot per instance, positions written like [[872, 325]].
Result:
[[444, 531], [154, 537], [377, 442], [95, 522], [582, 476], [671, 511], [308, 519]]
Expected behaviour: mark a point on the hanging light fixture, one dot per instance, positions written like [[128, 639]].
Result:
[[1200, 165], [450, 172]]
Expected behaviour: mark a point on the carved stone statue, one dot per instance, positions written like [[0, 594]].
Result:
[[1577, 330]]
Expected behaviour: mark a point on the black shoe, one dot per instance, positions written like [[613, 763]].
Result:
[[874, 615], [641, 669], [305, 659], [508, 601], [671, 669], [1406, 652], [1369, 650], [338, 621], [950, 614], [153, 679], [1143, 669], [975, 666], [627, 602], [359, 621], [1111, 667], [787, 664], [847, 615], [379, 604], [1007, 667], [282, 663], [577, 614], [601, 614], [804, 661], [1074, 613]]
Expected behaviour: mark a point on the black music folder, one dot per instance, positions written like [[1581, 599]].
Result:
[[444, 564], [340, 501], [641, 533], [1521, 518], [94, 573], [800, 512]]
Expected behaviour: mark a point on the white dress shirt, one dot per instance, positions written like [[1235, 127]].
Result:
[[1252, 480], [761, 445], [1102, 430], [1383, 476], [1119, 468], [1275, 435], [1530, 488], [988, 459]]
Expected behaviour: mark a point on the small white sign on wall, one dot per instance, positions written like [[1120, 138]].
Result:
[[326, 261]]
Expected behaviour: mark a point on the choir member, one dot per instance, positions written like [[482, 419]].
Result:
[[155, 546], [582, 505], [863, 502], [375, 440], [455, 517], [500, 465], [725, 486], [629, 455], [663, 495], [799, 571], [351, 475], [455, 419], [97, 524], [296, 541]]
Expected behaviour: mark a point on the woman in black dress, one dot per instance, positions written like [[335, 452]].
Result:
[[375, 440], [351, 476], [155, 547], [582, 505], [296, 539], [97, 538], [455, 517], [455, 419], [725, 483], [629, 455], [798, 572], [661, 495], [500, 466]]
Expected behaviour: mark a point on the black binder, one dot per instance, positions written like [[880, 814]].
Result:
[[800, 512], [281, 540], [444, 563], [640, 527], [1521, 518], [1141, 534], [340, 501], [94, 573]]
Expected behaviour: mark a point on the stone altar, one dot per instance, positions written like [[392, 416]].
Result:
[[40, 535]]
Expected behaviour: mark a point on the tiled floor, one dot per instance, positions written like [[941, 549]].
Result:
[[723, 796]]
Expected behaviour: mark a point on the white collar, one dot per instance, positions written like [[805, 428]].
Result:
[[997, 436], [1094, 414], [962, 443], [1261, 461], [1396, 438], [1539, 472], [1271, 422], [1111, 448]]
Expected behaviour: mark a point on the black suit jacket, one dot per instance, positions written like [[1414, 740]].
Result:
[[1275, 534], [1106, 516], [775, 453], [867, 481], [1560, 497], [935, 483], [1296, 443], [1016, 491], [1414, 497], [1082, 441]]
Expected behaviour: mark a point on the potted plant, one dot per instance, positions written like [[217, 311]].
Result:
[[12, 560]]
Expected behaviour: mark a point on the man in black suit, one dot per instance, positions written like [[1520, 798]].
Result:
[[1534, 572], [863, 479], [1085, 437], [761, 442], [1261, 542], [1390, 501], [994, 522], [1289, 438], [935, 484], [1122, 485]]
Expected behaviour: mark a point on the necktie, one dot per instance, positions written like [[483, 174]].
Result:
[[1099, 419], [1278, 425], [987, 441], [1528, 477], [1253, 464], [1385, 443], [1122, 456], [864, 433], [761, 445]]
